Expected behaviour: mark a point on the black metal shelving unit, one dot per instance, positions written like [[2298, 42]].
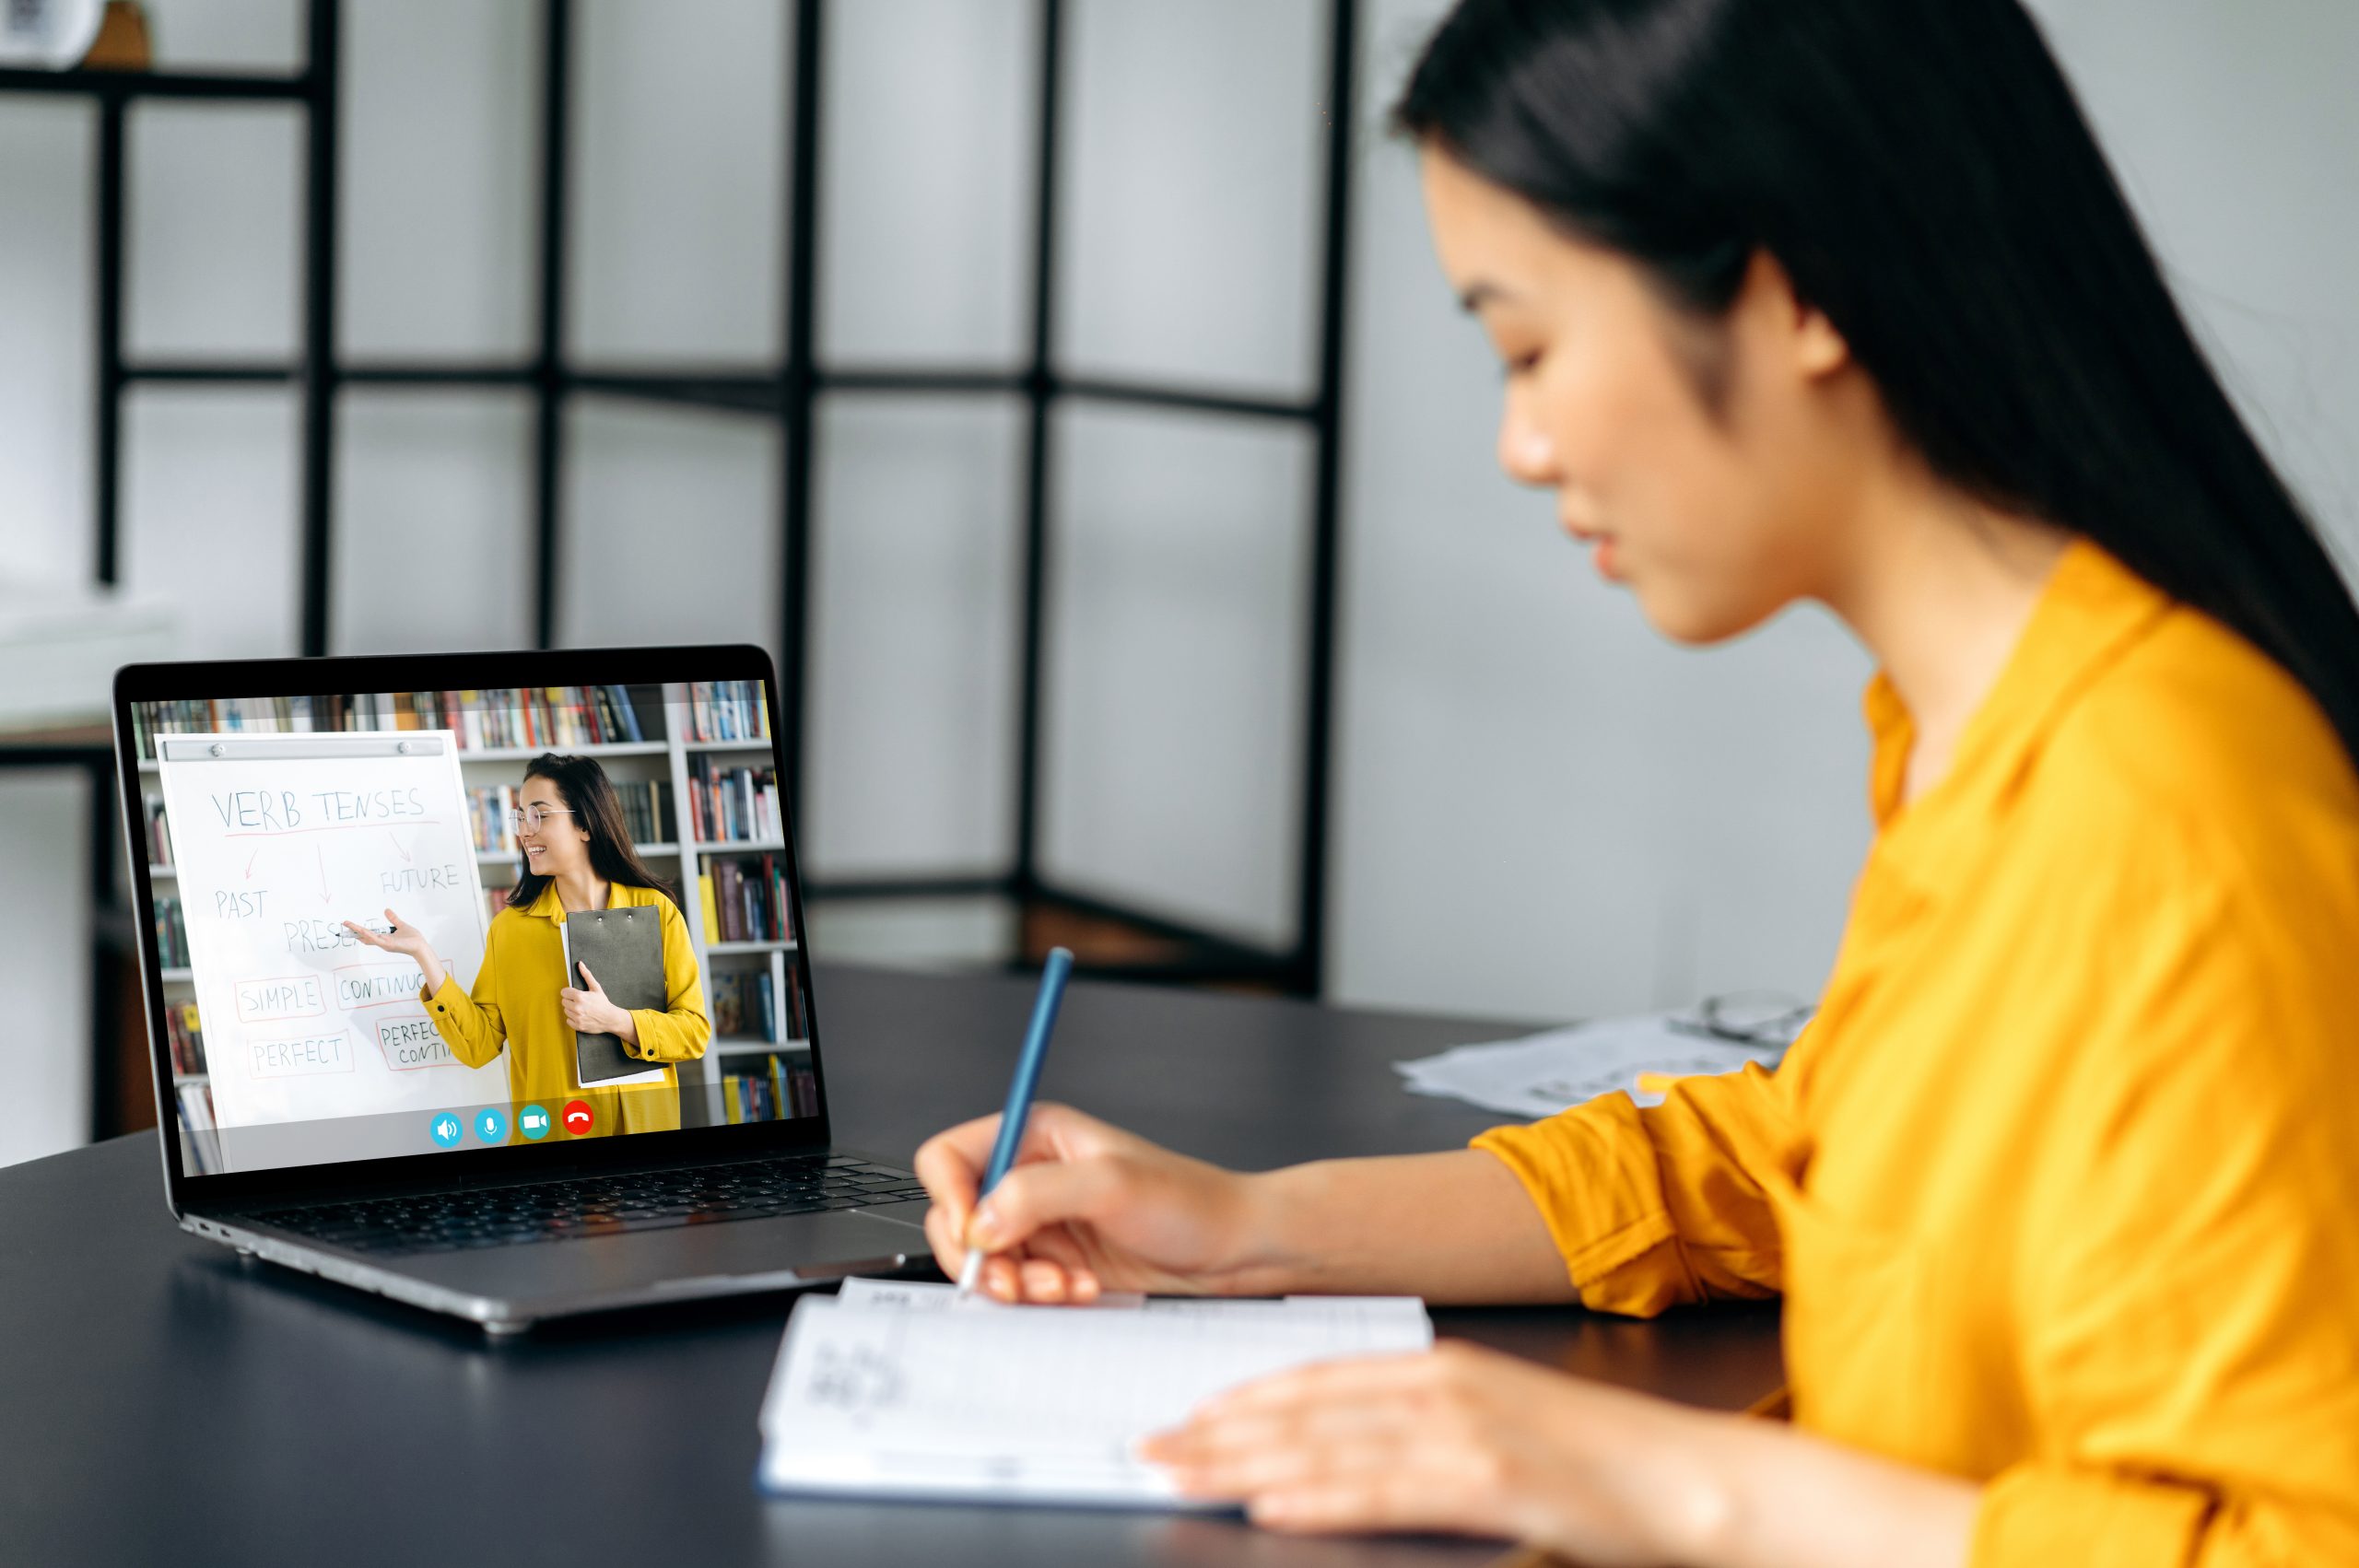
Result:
[[788, 394]]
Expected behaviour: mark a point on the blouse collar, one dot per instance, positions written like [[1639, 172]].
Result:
[[2092, 609]]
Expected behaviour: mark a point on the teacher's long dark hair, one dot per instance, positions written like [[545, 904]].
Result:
[[583, 785], [1923, 173]]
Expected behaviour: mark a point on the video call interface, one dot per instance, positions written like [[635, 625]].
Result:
[[275, 825]]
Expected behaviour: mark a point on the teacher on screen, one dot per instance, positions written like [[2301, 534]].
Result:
[[578, 856]]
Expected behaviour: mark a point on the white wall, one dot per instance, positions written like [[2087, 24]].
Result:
[[1545, 810], [1541, 808], [44, 964], [2235, 128]]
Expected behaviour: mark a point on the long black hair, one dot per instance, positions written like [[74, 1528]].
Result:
[[582, 785], [1923, 173]]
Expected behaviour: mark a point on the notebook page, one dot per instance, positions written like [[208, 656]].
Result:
[[933, 1295], [1033, 1403], [936, 1295]]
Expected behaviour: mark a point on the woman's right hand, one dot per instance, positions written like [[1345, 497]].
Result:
[[1087, 1208], [407, 941]]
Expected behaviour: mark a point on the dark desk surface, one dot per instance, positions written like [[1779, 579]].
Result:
[[162, 1402]]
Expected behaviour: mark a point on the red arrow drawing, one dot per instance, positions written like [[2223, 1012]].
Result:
[[396, 844], [249, 863], [322, 855]]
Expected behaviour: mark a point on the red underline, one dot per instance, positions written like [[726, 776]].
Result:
[[336, 827]]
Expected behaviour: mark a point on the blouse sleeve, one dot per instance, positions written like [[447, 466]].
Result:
[[681, 1029], [1661, 1205], [470, 1023]]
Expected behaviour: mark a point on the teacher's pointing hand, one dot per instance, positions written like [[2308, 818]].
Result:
[[407, 941]]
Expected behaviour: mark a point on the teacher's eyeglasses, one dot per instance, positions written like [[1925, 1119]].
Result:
[[529, 820]]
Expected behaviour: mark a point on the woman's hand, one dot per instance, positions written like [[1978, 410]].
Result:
[[587, 1011], [1087, 1208], [407, 941], [1456, 1439]]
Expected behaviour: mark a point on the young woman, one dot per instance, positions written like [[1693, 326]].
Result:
[[1838, 301], [578, 856]]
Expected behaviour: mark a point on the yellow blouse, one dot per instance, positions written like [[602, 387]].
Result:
[[2062, 1187], [515, 1003]]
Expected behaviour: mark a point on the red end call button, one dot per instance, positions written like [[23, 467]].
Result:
[[577, 1116]]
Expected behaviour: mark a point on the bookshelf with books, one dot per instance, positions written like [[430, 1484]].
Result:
[[184, 1036], [195, 1106], [757, 1009], [171, 933], [769, 1086], [743, 899], [159, 837], [725, 710], [733, 804], [508, 721], [690, 762]]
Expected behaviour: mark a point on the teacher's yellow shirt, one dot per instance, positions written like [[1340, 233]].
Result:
[[2062, 1187], [513, 1003]]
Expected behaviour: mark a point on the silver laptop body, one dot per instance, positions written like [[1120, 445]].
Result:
[[508, 1236]]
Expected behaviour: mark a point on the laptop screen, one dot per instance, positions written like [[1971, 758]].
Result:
[[401, 923]]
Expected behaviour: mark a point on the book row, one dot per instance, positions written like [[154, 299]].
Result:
[[773, 1091], [744, 1006], [745, 900], [646, 805], [733, 804], [498, 716], [195, 1104], [171, 933], [159, 832], [727, 711], [185, 1035]]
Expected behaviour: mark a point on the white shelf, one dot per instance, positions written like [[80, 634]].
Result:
[[179, 1078], [741, 846], [180, 976], [510, 857], [758, 744], [526, 754], [155, 871], [723, 949], [761, 1047]]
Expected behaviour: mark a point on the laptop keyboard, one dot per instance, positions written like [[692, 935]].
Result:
[[599, 1205]]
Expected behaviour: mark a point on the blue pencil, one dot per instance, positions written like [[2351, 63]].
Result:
[[1019, 1092]]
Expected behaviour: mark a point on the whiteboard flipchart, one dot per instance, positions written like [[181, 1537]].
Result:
[[280, 839]]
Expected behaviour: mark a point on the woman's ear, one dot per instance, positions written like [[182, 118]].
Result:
[[1815, 348], [1822, 349]]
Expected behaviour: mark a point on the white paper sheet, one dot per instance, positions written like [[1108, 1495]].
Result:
[[886, 1394], [1541, 1074], [935, 1295]]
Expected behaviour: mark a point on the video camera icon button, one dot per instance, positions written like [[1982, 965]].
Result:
[[490, 1126], [533, 1121], [446, 1129]]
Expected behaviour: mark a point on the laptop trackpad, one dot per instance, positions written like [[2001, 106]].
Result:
[[553, 1276]]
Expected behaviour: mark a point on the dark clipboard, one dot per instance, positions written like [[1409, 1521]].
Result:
[[625, 949]]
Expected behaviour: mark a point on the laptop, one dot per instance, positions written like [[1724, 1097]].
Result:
[[289, 819]]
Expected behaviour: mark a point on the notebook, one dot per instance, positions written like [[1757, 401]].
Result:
[[625, 949], [893, 1389]]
